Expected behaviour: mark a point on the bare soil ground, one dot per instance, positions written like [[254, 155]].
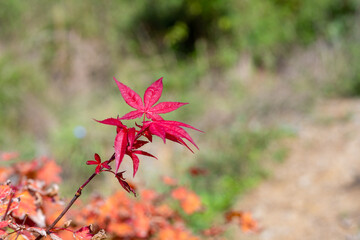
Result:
[[315, 193]]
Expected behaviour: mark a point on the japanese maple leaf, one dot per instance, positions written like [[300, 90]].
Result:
[[151, 96], [120, 145], [99, 164], [126, 142], [124, 184], [132, 149], [121, 141], [113, 121], [170, 130]]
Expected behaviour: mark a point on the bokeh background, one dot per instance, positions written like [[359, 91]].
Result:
[[252, 71]]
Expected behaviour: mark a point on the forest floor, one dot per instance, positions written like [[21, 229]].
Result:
[[315, 193]]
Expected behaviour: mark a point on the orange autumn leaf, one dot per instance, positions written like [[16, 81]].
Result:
[[27, 168], [189, 201], [248, 223], [19, 237], [175, 234], [4, 206], [7, 156], [179, 193], [164, 211], [26, 206], [52, 210], [49, 172], [213, 231], [141, 220], [118, 201], [5, 191], [60, 235], [169, 181], [4, 174], [148, 195], [120, 229]]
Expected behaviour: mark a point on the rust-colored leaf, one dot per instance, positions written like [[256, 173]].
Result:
[[189, 201], [7, 156], [196, 171], [5, 191], [246, 221], [179, 193], [120, 229], [175, 234], [213, 231], [141, 221], [26, 206], [5, 174], [169, 181], [49, 172], [52, 209], [4, 205]]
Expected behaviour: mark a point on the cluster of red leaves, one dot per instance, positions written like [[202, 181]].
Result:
[[30, 202], [127, 140]]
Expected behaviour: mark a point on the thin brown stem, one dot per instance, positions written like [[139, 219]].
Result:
[[76, 196], [8, 206]]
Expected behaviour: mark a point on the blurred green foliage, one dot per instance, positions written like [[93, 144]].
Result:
[[265, 28], [18, 80]]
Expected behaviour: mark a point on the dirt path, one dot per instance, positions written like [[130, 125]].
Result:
[[315, 194]]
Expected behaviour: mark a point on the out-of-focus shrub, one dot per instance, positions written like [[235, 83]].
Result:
[[265, 28]]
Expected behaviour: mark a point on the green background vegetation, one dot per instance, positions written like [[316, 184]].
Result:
[[57, 59]]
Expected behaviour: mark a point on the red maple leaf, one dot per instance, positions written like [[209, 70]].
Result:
[[120, 145], [124, 184], [114, 122], [151, 96], [99, 164], [121, 139], [170, 130], [132, 147], [84, 233]]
